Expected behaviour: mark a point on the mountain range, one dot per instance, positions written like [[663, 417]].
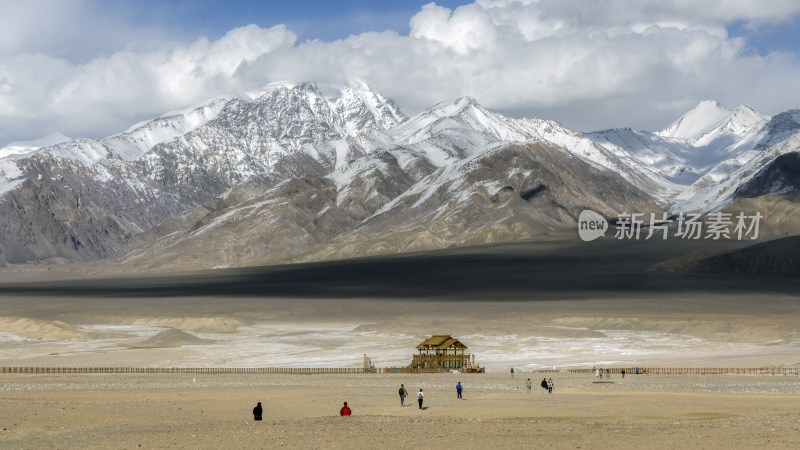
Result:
[[287, 174]]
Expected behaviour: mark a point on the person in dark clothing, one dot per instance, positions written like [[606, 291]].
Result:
[[458, 390], [543, 384], [403, 394], [257, 412], [345, 411], [419, 398]]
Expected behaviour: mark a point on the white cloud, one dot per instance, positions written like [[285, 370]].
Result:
[[588, 64], [41, 93], [555, 59], [469, 27]]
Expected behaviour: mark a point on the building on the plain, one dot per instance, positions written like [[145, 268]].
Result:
[[442, 352]]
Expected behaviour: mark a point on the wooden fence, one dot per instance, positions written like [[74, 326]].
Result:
[[190, 370], [697, 370], [423, 370], [345, 370]]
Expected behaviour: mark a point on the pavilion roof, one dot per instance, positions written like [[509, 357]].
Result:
[[441, 341]]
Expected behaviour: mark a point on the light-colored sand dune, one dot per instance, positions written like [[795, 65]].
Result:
[[202, 324], [693, 330], [39, 328]]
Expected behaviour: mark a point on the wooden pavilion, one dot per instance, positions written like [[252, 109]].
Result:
[[441, 352]]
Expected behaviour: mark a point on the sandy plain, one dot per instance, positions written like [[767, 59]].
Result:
[[527, 305], [531, 305], [124, 411]]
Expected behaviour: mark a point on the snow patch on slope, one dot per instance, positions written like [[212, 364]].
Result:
[[10, 175]]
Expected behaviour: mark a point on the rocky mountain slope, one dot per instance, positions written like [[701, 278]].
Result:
[[83, 200], [288, 174]]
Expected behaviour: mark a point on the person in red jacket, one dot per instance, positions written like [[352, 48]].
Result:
[[345, 411]]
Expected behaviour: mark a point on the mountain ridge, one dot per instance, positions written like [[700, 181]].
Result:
[[321, 177]]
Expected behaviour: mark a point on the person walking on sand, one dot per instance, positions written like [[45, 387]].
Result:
[[623, 373], [512, 372], [528, 385], [459, 388], [403, 394], [550, 386], [257, 411], [345, 411], [543, 384], [419, 398]]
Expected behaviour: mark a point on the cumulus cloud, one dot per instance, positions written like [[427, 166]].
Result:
[[588, 64], [41, 93], [468, 27]]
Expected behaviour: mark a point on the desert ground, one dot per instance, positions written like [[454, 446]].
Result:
[[531, 306], [125, 411]]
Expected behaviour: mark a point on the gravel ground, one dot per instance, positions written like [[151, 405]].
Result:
[[301, 411]]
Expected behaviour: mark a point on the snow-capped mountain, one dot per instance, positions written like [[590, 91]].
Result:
[[694, 144], [84, 199], [286, 173], [707, 117], [25, 147], [709, 152]]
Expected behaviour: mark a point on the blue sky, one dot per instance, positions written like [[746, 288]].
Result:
[[783, 37], [309, 19], [89, 68], [329, 20]]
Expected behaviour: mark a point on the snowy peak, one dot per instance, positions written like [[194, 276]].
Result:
[[708, 120], [361, 108], [462, 114], [24, 147], [745, 119], [140, 138], [292, 167], [355, 109], [466, 108], [200, 115], [701, 119]]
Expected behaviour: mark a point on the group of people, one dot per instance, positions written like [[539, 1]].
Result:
[[546, 385], [599, 372], [404, 393], [258, 411]]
